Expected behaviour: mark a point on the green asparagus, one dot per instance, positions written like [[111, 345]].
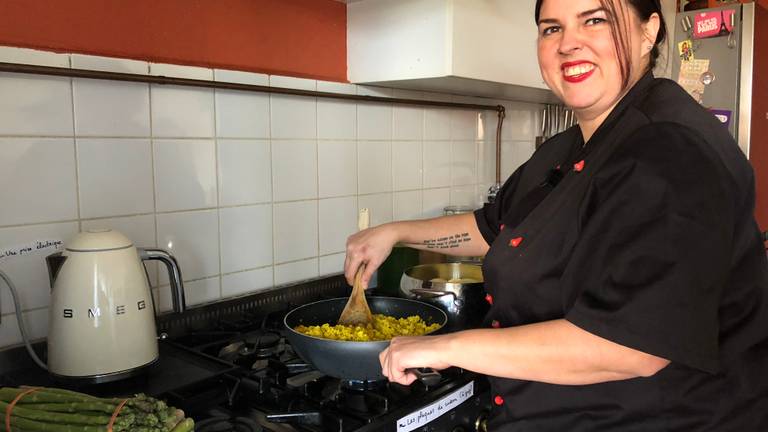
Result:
[[59, 410], [185, 425]]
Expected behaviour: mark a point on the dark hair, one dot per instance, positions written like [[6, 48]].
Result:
[[643, 9]]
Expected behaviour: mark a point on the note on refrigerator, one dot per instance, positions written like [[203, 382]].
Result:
[[690, 77]]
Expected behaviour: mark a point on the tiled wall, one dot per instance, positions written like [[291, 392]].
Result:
[[248, 190]]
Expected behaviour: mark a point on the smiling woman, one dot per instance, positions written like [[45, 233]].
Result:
[[629, 293], [611, 43]]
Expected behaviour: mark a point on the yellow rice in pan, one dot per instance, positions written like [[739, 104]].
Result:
[[383, 328]]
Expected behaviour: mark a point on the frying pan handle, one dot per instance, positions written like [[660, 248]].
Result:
[[428, 376]]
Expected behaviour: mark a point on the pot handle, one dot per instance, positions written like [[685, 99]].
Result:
[[433, 293], [428, 376], [174, 275]]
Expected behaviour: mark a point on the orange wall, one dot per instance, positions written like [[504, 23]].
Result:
[[305, 38], [759, 141]]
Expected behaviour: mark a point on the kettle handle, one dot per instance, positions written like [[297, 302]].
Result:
[[174, 275]]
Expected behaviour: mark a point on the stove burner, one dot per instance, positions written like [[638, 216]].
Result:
[[264, 344], [257, 345]]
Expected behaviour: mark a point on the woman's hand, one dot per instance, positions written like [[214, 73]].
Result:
[[370, 247], [412, 352]]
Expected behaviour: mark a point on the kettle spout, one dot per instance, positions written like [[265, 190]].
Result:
[[54, 262]]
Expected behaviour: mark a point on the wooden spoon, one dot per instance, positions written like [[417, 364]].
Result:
[[357, 312]]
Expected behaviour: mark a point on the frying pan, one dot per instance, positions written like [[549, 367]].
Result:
[[349, 360]]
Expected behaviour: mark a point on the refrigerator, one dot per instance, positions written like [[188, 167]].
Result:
[[720, 56]]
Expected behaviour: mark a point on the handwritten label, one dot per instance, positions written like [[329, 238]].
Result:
[[425, 415], [690, 77], [29, 248]]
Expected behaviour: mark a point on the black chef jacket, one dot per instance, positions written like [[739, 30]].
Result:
[[644, 236]]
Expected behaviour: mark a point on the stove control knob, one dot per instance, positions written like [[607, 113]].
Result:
[[481, 424]]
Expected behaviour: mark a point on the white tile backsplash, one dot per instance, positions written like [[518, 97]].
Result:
[[337, 168], [241, 114], [463, 164], [407, 205], [332, 264], [465, 196], [293, 117], [374, 166], [202, 291], [246, 189], [407, 167], [296, 231], [246, 237], [338, 220], [519, 121], [435, 200], [35, 105], [115, 176], [379, 206], [37, 180], [294, 170], [437, 163], [246, 282], [245, 172], [408, 122], [105, 108], [185, 174], [464, 125], [374, 121], [437, 124], [336, 119], [182, 112], [296, 271], [193, 238]]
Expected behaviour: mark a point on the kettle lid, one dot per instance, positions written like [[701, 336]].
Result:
[[98, 240]]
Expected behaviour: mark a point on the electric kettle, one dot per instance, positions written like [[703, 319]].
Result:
[[102, 316]]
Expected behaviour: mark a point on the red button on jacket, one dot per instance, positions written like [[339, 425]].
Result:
[[578, 166], [495, 324], [515, 242], [489, 298], [498, 400]]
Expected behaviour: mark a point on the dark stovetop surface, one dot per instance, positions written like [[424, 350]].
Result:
[[176, 368]]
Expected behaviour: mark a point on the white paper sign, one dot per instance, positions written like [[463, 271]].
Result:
[[425, 415]]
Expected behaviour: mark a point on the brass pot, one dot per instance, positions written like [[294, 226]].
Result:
[[456, 288]]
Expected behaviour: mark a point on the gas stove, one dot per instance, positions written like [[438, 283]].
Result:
[[270, 388]]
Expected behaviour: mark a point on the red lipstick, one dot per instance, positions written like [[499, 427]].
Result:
[[576, 78]]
